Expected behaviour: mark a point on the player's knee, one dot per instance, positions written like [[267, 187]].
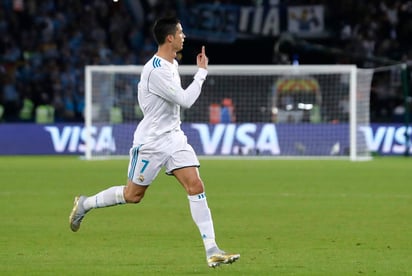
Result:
[[196, 187], [133, 195], [133, 198]]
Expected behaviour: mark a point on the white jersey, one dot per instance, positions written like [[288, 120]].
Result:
[[160, 96]]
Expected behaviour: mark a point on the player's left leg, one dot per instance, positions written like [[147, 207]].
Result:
[[139, 170], [132, 193]]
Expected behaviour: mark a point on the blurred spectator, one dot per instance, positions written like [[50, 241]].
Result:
[[227, 112], [11, 99], [45, 44]]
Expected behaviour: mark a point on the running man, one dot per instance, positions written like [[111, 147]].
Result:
[[159, 141]]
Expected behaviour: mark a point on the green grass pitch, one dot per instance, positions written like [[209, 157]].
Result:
[[285, 217]]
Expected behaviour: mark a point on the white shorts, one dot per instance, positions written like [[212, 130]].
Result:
[[171, 151]]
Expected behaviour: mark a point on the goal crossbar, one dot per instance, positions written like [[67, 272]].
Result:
[[225, 78]]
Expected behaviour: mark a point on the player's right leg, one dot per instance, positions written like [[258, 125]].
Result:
[[221, 257], [201, 214]]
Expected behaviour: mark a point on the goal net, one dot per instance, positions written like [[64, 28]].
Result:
[[263, 110]]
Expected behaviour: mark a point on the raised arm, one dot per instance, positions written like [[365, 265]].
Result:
[[168, 89]]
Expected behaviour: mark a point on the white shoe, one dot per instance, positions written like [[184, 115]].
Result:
[[77, 214], [221, 257]]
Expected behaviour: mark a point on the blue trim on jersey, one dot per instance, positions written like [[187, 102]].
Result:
[[135, 156], [156, 62]]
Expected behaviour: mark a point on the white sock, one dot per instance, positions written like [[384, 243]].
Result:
[[109, 197], [203, 219]]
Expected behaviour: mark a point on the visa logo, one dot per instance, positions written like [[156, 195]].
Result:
[[73, 138], [227, 139], [387, 139]]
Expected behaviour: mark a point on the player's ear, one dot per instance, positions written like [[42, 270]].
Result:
[[169, 38]]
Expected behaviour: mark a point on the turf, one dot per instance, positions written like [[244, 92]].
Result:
[[285, 217]]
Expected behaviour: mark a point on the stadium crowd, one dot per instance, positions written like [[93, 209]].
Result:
[[45, 44]]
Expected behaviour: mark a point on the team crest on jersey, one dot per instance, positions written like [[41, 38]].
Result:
[[141, 178]]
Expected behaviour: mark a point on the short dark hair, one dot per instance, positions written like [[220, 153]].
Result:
[[163, 27]]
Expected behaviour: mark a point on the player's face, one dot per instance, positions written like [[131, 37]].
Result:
[[179, 38]]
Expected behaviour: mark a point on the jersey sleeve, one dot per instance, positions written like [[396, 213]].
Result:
[[163, 85]]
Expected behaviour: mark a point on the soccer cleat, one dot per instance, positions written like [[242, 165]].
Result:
[[77, 214], [221, 257]]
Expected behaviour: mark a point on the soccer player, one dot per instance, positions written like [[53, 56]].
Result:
[[159, 141]]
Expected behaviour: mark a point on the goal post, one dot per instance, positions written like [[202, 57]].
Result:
[[304, 111]]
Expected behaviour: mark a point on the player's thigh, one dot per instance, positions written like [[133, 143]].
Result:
[[182, 155], [144, 165], [189, 178]]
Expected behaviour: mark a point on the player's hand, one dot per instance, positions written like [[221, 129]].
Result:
[[202, 60]]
